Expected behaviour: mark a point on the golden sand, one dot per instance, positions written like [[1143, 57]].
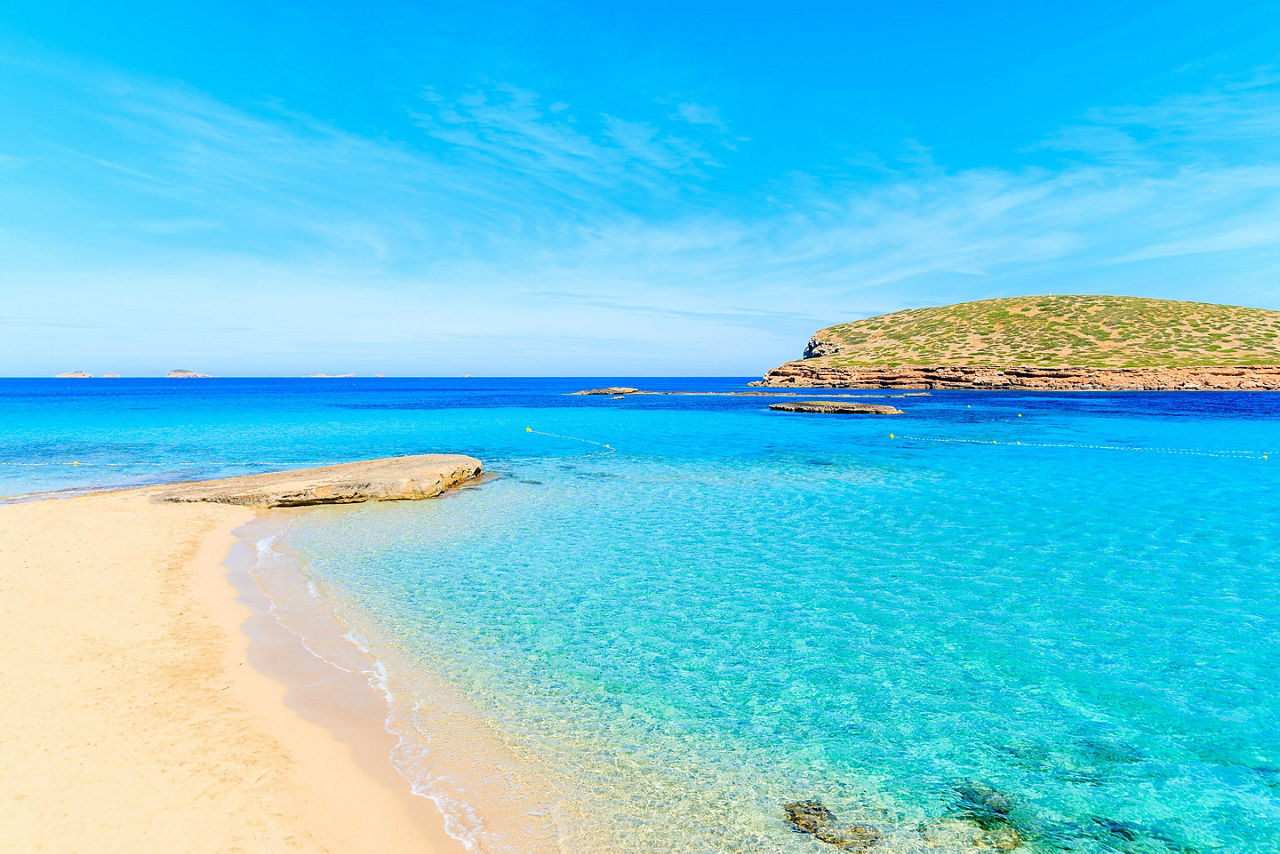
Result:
[[131, 718]]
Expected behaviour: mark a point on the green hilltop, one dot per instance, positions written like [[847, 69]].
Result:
[[1086, 331]]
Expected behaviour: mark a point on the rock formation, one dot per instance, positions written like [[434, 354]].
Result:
[[73, 375], [389, 479], [179, 374], [835, 407], [611, 390], [1025, 377]]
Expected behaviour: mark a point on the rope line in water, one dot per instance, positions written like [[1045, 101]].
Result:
[[1190, 452], [608, 449]]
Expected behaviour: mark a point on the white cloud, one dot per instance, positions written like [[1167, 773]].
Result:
[[518, 212]]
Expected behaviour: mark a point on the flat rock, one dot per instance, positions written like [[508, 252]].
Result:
[[389, 479], [610, 390], [836, 407]]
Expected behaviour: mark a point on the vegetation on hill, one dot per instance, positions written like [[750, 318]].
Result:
[[1086, 331]]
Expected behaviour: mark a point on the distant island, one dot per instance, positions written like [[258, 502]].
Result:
[[1047, 342], [179, 374], [74, 375], [331, 376]]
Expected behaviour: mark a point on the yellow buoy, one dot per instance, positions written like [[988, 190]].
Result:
[[528, 429], [1019, 414], [75, 462]]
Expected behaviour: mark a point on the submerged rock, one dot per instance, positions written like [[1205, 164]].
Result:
[[978, 801], [808, 816], [958, 833], [1109, 830], [813, 818], [836, 407]]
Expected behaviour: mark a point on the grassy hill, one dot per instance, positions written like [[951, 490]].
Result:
[[1086, 331]]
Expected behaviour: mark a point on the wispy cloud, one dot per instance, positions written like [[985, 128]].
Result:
[[1237, 119], [509, 126], [522, 210]]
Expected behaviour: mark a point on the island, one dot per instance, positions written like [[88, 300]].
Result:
[[74, 375], [1071, 343], [179, 374]]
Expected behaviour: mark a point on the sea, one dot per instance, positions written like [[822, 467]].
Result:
[[687, 623]]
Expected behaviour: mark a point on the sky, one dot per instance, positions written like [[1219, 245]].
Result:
[[608, 189]]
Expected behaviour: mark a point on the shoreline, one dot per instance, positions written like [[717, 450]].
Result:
[[143, 717], [821, 372]]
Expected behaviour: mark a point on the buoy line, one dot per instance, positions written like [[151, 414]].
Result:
[[1191, 452], [607, 448]]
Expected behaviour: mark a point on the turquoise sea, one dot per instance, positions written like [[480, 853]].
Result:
[[1048, 622]]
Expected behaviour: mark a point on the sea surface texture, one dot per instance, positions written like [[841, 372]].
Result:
[[671, 623]]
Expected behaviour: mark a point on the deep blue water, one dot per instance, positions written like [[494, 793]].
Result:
[[1035, 619]]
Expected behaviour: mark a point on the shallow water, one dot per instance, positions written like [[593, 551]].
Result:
[[1069, 642]]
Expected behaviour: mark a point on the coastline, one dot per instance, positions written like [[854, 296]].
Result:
[[820, 372], [138, 718]]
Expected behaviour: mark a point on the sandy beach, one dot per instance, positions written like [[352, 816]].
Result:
[[133, 719]]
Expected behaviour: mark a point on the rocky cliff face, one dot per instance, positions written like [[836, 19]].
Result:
[[818, 373], [819, 346]]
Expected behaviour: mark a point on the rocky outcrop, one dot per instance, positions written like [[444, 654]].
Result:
[[73, 375], [179, 374], [818, 373], [819, 346], [390, 479], [835, 407], [610, 390]]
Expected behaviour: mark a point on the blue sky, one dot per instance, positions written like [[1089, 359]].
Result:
[[608, 188]]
